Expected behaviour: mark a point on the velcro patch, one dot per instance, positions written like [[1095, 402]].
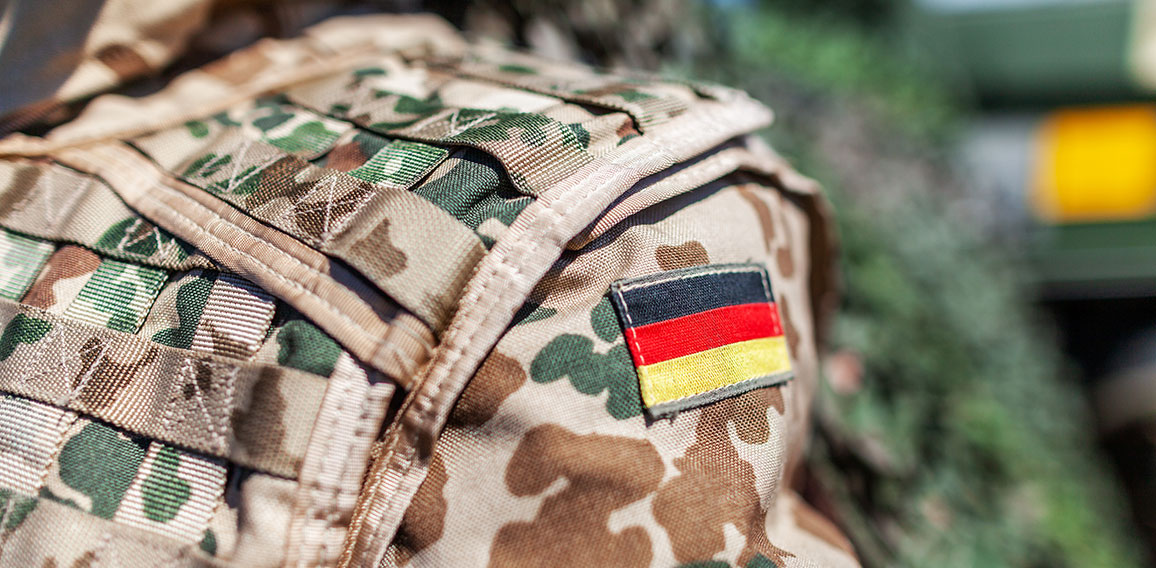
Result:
[[702, 334]]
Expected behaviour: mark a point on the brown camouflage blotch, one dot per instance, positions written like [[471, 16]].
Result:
[[417, 532], [123, 61], [99, 380], [775, 400], [346, 157], [690, 253], [812, 522], [785, 261], [238, 67], [626, 129], [789, 329], [387, 260], [603, 474], [202, 380], [278, 181], [85, 560], [263, 428], [499, 376], [766, 223], [226, 346], [140, 231], [716, 486], [69, 261], [16, 193], [318, 218]]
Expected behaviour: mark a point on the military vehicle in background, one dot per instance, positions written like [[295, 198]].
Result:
[[1065, 145]]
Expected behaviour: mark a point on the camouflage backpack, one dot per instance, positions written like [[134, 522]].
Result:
[[375, 296]]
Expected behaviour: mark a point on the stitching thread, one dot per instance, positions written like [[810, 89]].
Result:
[[270, 272]]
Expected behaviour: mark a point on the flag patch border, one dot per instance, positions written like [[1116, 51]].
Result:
[[714, 293]]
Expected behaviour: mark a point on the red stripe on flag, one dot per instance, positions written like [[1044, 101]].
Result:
[[665, 340]]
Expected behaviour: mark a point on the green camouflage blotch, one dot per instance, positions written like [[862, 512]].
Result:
[[604, 321], [311, 136], [635, 96], [45, 493], [21, 329], [591, 373], [306, 348], [760, 561], [209, 543], [164, 493], [139, 238], [580, 133], [369, 142], [273, 120], [412, 105], [197, 128], [532, 129], [191, 299], [114, 288], [207, 165], [520, 69], [224, 119], [15, 507], [401, 162], [101, 463], [369, 72], [532, 311], [475, 190]]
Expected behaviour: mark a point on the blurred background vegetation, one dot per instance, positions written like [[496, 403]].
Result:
[[952, 430]]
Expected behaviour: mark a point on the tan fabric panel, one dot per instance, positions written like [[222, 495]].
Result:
[[210, 404]]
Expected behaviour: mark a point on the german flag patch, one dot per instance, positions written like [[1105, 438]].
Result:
[[702, 334]]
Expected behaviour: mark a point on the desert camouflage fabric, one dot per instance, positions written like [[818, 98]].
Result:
[[344, 299]]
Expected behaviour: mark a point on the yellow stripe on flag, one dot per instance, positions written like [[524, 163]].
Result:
[[715, 368]]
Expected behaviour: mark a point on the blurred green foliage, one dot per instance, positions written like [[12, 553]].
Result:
[[968, 443]]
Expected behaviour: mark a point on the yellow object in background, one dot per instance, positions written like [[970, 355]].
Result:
[[1096, 164]]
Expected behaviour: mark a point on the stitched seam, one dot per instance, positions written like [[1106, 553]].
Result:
[[66, 421], [196, 228], [710, 169], [714, 395], [549, 214], [316, 485], [627, 286], [766, 286], [644, 381], [630, 326], [404, 460], [786, 375], [334, 311]]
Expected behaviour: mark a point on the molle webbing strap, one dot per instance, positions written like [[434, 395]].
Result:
[[118, 296], [58, 204], [215, 406], [235, 318], [39, 427], [79, 534], [272, 260], [649, 102], [536, 150], [413, 250], [21, 259]]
